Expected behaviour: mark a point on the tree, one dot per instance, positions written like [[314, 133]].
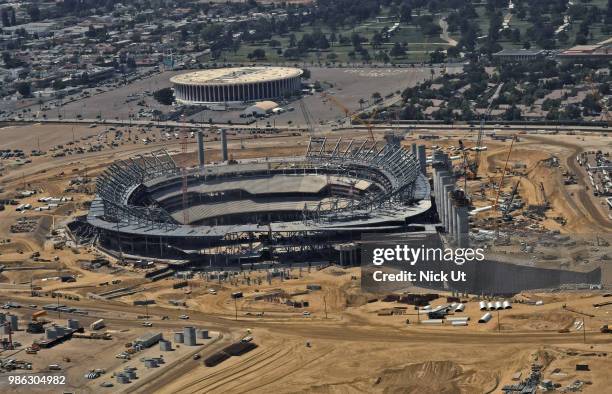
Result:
[[305, 73], [164, 96], [591, 105], [513, 113], [405, 12], [257, 54], [572, 112], [332, 38], [377, 40], [6, 22], [34, 13], [397, 50], [356, 40], [376, 96], [24, 88], [58, 84], [437, 56]]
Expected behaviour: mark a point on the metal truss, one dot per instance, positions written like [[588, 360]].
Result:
[[389, 165], [114, 186]]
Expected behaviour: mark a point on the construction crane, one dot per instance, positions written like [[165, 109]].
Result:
[[510, 200], [307, 116], [544, 199], [500, 185], [352, 117], [471, 166], [503, 175], [184, 143], [337, 103], [367, 122]]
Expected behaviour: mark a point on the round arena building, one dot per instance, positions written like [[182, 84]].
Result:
[[236, 84]]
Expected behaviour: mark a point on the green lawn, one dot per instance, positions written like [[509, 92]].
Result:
[[419, 45]]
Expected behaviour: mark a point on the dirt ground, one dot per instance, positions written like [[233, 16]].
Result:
[[344, 345]]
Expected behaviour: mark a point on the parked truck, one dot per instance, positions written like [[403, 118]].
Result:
[[98, 324]]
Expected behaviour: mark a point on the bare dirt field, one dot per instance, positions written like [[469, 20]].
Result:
[[344, 344]]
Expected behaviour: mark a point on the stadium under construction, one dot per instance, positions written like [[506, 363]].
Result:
[[299, 208]]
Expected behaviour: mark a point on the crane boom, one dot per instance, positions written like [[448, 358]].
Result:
[[307, 117], [347, 113]]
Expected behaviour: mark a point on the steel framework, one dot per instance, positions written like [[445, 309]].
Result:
[[390, 167], [115, 185], [387, 164]]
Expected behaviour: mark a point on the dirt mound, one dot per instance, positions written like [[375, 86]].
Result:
[[439, 377], [554, 320]]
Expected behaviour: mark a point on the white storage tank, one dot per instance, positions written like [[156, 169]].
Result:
[[490, 306], [190, 336], [485, 318], [482, 305], [73, 324], [150, 363], [165, 346], [507, 305], [50, 333], [498, 305], [179, 337], [14, 320]]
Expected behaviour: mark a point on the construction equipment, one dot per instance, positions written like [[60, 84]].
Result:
[[367, 122], [503, 175], [184, 142], [7, 343], [471, 166], [38, 314], [500, 186], [605, 329], [354, 117], [510, 200], [307, 116], [337, 102], [544, 199]]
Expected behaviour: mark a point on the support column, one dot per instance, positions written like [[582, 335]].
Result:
[[463, 240], [453, 220], [224, 144], [448, 188], [445, 180], [422, 156], [200, 136]]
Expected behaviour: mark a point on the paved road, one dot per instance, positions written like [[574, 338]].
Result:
[[393, 125]]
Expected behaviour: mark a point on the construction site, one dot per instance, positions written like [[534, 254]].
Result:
[[210, 259]]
